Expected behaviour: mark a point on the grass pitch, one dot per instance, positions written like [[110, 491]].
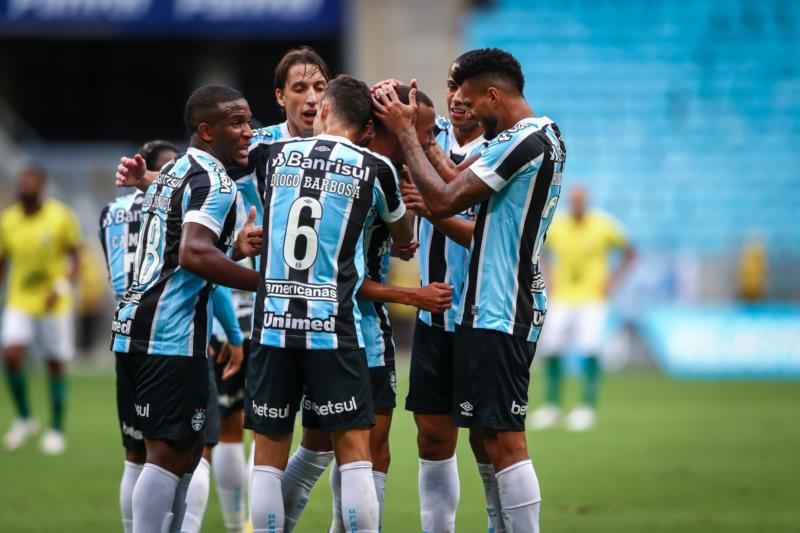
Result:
[[666, 456]]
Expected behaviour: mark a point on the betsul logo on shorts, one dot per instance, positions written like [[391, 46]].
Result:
[[466, 408], [518, 409], [266, 411], [142, 410], [330, 408], [198, 419]]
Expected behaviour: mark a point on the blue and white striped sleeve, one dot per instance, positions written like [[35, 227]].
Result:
[[211, 197], [505, 156]]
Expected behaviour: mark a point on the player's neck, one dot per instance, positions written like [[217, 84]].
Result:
[[294, 131], [516, 110], [341, 130], [467, 135]]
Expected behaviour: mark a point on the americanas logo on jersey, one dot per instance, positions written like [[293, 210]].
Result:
[[198, 419]]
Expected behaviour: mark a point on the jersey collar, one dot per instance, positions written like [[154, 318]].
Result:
[[198, 152]]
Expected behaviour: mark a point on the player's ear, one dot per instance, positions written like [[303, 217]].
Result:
[[204, 131], [494, 96], [367, 134], [280, 99]]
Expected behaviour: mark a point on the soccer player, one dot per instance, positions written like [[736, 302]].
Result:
[[161, 324], [39, 243], [308, 462], [317, 194], [430, 394], [516, 181], [579, 249]]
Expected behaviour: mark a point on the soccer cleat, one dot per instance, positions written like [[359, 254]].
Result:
[[544, 417], [582, 418], [53, 442], [21, 430]]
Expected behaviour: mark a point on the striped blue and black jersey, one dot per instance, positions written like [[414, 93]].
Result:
[[375, 326], [246, 180], [441, 259], [119, 235], [318, 194], [503, 290], [166, 309]]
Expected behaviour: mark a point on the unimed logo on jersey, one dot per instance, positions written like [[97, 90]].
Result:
[[123, 328], [287, 321]]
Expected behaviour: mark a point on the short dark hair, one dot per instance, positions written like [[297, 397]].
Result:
[[204, 101], [489, 63], [305, 55], [151, 150], [403, 92], [350, 100]]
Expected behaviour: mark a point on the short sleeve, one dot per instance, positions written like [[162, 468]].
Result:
[[388, 200], [505, 156], [615, 233], [211, 198], [71, 231]]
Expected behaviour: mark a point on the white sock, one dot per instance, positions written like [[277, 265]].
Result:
[[439, 493], [197, 498], [520, 497], [337, 526], [302, 473], [129, 476], [379, 478], [266, 500], [251, 461], [230, 474], [152, 499], [359, 502], [179, 503], [493, 508]]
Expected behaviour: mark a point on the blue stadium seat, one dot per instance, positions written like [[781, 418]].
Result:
[[683, 117]]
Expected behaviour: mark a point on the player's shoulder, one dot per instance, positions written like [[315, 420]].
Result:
[[525, 128], [442, 124], [269, 134], [11, 213], [207, 170], [125, 201]]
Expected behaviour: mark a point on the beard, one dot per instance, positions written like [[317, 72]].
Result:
[[28, 199], [489, 125]]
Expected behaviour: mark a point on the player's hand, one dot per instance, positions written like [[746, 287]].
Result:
[[130, 171], [234, 355], [413, 200], [250, 237], [405, 253], [436, 297], [391, 81], [394, 114], [51, 300]]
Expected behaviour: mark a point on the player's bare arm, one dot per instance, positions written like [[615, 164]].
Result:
[[443, 199], [402, 230], [436, 297], [457, 229], [199, 254]]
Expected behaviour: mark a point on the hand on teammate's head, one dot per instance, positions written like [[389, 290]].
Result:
[[393, 113]]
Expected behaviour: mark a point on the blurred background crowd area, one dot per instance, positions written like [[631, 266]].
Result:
[[681, 118]]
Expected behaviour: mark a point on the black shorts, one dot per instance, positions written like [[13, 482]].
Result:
[[383, 383], [132, 438], [170, 395], [430, 388], [338, 380], [231, 391], [492, 373], [212, 419]]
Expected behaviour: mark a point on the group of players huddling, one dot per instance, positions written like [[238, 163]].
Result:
[[305, 214]]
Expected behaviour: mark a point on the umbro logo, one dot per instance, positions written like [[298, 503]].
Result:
[[322, 148], [466, 409]]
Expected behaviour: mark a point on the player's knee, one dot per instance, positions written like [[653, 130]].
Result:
[[436, 445], [506, 448], [13, 357]]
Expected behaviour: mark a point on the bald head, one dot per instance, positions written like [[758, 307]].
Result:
[[578, 200]]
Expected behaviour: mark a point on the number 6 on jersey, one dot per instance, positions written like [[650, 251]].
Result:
[[294, 230]]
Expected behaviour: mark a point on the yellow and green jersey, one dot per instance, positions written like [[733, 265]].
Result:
[[36, 248]]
